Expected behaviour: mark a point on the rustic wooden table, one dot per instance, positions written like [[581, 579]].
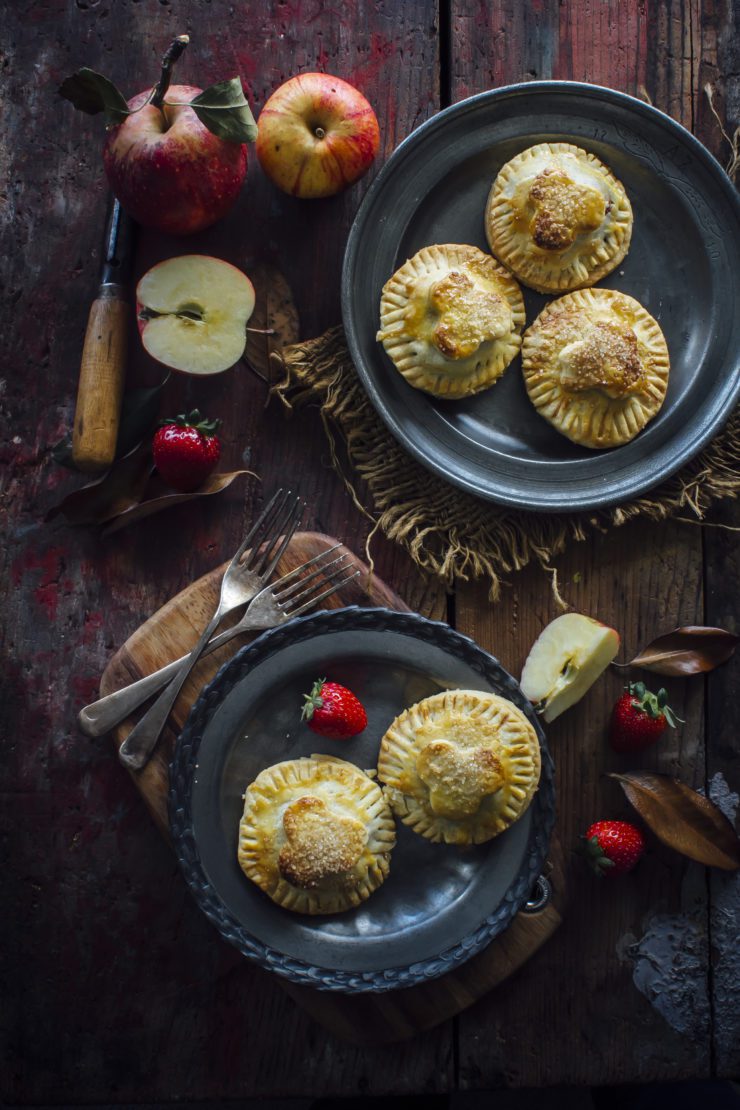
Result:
[[120, 988]]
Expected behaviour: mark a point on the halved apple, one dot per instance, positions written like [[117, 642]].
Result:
[[192, 313], [565, 660]]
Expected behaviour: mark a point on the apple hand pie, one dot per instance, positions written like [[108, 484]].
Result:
[[316, 834], [596, 365], [451, 320], [461, 766], [558, 218]]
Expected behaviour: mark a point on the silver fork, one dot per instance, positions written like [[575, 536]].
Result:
[[274, 604], [243, 579]]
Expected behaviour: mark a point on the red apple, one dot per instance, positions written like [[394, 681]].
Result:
[[168, 170], [316, 135]]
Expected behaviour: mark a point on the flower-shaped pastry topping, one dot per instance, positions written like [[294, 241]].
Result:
[[607, 358], [458, 778], [468, 314], [321, 843], [563, 209]]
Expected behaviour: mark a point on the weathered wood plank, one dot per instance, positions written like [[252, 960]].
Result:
[[128, 988], [591, 1025], [639, 581], [98, 1012], [718, 66], [722, 559]]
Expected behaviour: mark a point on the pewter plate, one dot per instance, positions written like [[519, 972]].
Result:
[[682, 266], [440, 905]]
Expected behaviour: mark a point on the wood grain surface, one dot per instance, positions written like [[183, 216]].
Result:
[[369, 1019], [116, 986]]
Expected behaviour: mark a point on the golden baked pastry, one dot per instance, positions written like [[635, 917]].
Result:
[[451, 320], [596, 366], [460, 766], [316, 834], [558, 218]]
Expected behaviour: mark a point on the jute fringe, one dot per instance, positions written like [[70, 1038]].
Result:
[[446, 531]]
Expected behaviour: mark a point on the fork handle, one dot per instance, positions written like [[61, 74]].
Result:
[[104, 714], [142, 740]]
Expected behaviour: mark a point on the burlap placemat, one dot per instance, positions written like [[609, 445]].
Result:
[[446, 531]]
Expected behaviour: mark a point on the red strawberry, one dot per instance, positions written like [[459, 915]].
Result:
[[613, 847], [639, 718], [334, 711], [186, 450]]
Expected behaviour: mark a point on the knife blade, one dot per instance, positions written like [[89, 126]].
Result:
[[103, 362]]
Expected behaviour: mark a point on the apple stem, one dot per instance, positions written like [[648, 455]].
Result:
[[320, 133], [262, 331], [173, 52]]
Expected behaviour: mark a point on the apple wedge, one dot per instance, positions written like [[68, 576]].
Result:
[[565, 660], [192, 313]]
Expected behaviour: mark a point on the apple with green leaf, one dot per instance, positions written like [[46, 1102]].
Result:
[[175, 155], [565, 660], [192, 313], [316, 135]]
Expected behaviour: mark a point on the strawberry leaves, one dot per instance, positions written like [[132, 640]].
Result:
[[692, 649], [655, 705], [683, 819]]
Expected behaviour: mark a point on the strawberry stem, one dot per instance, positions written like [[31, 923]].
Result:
[[193, 420], [654, 705], [595, 855], [313, 701]]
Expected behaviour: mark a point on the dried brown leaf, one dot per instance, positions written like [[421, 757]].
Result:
[[119, 488], [274, 311], [130, 491], [133, 513], [683, 819], [692, 649]]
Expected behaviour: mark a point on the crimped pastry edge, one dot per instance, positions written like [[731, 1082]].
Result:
[[403, 350], [297, 777], [397, 764], [581, 273], [629, 415]]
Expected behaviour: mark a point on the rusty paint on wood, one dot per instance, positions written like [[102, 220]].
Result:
[[95, 1013]]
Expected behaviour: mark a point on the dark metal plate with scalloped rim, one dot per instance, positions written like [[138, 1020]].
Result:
[[682, 266], [440, 905]]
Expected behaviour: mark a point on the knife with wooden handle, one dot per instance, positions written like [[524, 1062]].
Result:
[[103, 365]]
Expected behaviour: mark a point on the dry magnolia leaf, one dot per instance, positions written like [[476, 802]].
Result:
[[118, 489], [213, 484], [692, 649], [275, 312], [131, 491], [683, 819]]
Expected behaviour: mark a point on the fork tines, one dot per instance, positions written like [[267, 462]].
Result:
[[327, 577], [292, 611], [280, 518], [287, 518]]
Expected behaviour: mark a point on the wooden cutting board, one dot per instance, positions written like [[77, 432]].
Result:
[[363, 1019]]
